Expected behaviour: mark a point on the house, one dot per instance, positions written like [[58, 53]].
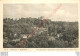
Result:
[[24, 35], [41, 30], [50, 38], [15, 34], [15, 40], [59, 35]]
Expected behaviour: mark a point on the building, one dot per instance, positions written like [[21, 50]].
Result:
[[24, 35], [15, 40], [59, 35], [41, 30], [50, 38]]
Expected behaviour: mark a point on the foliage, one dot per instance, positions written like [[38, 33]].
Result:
[[69, 31]]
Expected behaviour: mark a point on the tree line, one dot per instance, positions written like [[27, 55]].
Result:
[[69, 31]]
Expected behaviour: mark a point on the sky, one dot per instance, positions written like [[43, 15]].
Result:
[[67, 12]]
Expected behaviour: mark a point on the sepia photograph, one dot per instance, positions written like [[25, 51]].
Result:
[[41, 25]]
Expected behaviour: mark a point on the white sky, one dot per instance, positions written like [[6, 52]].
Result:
[[68, 11], [42, 54]]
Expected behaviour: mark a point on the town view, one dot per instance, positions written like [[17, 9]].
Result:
[[52, 34]]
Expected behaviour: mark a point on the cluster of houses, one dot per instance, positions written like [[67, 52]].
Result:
[[41, 30], [38, 32]]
